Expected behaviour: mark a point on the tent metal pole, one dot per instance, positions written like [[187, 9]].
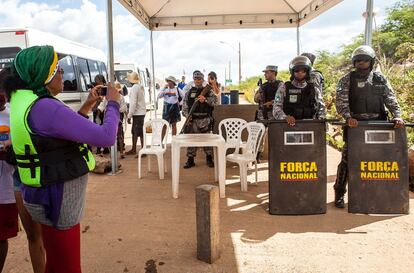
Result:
[[110, 34], [153, 75], [368, 23], [297, 40]]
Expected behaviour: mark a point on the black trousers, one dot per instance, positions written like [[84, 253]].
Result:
[[342, 172]]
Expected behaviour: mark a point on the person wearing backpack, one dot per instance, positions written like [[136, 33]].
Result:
[[171, 110], [316, 76]]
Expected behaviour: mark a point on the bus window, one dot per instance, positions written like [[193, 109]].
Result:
[[122, 77], [84, 73], [143, 79], [69, 77], [7, 55], [93, 69], [102, 70]]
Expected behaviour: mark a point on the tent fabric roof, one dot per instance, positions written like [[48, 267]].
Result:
[[161, 15]]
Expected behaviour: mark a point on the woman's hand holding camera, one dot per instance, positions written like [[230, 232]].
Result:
[[95, 96]]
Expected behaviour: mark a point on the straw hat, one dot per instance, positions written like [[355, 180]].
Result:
[[171, 79], [133, 77], [118, 86]]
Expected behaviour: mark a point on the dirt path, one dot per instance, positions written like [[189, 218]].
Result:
[[133, 225]]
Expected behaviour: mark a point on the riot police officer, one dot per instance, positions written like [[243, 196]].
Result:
[[266, 93], [361, 95], [201, 119], [299, 98], [316, 76]]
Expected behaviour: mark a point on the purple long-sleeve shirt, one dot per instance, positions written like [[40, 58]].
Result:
[[51, 118]]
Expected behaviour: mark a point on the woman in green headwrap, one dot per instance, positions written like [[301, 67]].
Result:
[[52, 159]]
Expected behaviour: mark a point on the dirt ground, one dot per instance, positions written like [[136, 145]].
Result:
[[133, 225]]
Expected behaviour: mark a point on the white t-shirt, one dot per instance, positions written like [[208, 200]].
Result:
[[137, 106], [6, 170], [170, 95]]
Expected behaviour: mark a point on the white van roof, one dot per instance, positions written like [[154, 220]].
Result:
[[61, 45], [129, 66]]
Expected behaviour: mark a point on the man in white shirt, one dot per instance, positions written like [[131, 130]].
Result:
[[137, 110]]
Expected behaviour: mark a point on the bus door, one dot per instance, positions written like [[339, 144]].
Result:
[[84, 78], [70, 95]]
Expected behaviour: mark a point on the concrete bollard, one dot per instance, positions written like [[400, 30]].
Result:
[[208, 223]]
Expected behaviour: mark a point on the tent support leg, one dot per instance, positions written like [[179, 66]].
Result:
[[153, 75], [297, 40], [111, 75]]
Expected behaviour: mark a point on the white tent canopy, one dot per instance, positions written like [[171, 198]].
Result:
[[159, 15]]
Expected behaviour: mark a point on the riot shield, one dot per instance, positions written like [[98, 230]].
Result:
[[297, 167], [378, 169]]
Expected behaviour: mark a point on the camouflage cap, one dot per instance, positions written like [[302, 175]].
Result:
[[271, 68], [198, 75]]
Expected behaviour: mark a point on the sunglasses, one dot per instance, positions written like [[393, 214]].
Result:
[[362, 61], [300, 71]]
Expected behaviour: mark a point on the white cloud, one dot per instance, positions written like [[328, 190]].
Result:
[[176, 51], [86, 24]]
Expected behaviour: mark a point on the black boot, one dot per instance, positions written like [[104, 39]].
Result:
[[209, 161], [339, 200], [340, 184], [258, 157], [190, 163]]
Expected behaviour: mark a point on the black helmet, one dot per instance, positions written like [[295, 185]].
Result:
[[300, 62], [310, 56], [363, 52]]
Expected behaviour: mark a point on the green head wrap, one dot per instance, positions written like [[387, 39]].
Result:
[[36, 66]]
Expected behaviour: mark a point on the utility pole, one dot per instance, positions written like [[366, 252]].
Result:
[[230, 71], [368, 22], [240, 76], [225, 76]]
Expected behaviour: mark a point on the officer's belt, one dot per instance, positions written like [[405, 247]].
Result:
[[200, 115]]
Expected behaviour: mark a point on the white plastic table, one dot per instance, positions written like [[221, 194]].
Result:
[[199, 140]]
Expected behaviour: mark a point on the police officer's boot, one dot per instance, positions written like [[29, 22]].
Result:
[[339, 200], [209, 161], [190, 163], [340, 185]]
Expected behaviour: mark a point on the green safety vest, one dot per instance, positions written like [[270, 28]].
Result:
[[45, 162]]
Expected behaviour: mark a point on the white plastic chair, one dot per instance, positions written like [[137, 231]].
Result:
[[232, 128], [157, 147], [255, 134]]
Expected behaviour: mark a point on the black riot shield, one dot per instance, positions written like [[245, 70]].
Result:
[[297, 167], [378, 169]]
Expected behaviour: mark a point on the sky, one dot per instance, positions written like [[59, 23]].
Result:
[[181, 52]]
